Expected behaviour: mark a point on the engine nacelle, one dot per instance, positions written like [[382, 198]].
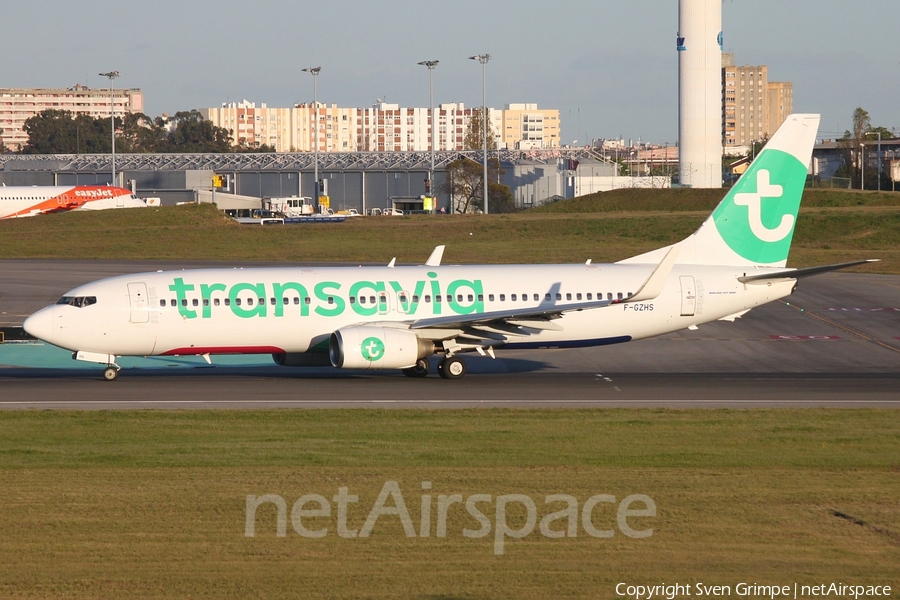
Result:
[[302, 359], [369, 347]]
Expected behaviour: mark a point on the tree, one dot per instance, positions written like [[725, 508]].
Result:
[[193, 133], [475, 131], [853, 154], [58, 132], [463, 184], [141, 134]]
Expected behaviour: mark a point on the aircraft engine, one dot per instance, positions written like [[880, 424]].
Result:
[[369, 347]]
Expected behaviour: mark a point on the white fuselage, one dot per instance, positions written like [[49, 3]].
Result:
[[295, 309], [22, 201]]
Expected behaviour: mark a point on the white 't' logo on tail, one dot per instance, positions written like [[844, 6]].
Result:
[[753, 202]]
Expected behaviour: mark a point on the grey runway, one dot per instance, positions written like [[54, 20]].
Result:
[[835, 342]]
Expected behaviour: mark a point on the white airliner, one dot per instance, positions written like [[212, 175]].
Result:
[[396, 317], [22, 201]]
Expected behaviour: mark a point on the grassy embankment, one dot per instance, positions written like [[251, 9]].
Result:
[[152, 504], [834, 226]]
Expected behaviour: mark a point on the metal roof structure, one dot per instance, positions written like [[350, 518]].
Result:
[[333, 161]]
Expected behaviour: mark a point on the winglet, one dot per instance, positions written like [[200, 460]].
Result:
[[657, 280], [436, 255], [392, 263]]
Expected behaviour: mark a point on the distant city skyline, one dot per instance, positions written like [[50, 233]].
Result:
[[609, 68]]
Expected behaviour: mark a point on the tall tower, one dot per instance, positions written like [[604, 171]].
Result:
[[700, 92]]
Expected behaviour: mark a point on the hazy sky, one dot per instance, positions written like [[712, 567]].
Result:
[[609, 66]]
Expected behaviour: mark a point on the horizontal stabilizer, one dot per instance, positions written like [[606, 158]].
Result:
[[798, 273]]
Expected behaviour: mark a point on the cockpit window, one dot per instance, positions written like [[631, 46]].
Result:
[[78, 301]]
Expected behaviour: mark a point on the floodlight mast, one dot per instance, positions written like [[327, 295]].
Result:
[[483, 59], [112, 116], [431, 64], [315, 73]]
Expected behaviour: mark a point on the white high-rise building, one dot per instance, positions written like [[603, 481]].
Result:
[[700, 92]]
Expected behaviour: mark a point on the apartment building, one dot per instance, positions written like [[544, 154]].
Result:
[[526, 127], [17, 105], [382, 127], [753, 106]]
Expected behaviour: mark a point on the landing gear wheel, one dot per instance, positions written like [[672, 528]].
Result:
[[452, 367], [420, 370], [111, 373]]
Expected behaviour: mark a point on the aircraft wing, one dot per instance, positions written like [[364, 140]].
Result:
[[526, 321], [537, 315]]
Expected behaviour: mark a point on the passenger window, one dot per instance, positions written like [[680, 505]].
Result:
[[249, 301], [481, 297], [372, 299], [568, 296], [415, 299], [558, 296], [490, 297], [547, 297], [362, 299], [470, 298], [227, 301], [195, 302], [162, 303], [437, 299], [206, 302], [609, 295], [578, 296], [184, 302], [330, 299], [262, 301], [352, 299], [427, 298], [296, 299], [590, 296], [306, 300], [619, 295], [536, 297], [459, 297], [216, 301], [502, 297], [237, 301], [512, 297], [272, 301], [450, 298]]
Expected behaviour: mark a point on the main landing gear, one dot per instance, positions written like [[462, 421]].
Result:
[[111, 373], [450, 367]]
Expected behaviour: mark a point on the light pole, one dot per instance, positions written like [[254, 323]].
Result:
[[431, 64], [112, 116], [483, 59], [315, 74]]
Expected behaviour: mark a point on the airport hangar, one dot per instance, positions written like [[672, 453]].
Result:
[[360, 180]]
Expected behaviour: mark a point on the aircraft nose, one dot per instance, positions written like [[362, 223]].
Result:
[[40, 324]]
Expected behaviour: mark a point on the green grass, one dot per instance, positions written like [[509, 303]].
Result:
[[152, 504], [834, 226]]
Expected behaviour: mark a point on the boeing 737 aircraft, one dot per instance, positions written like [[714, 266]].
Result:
[[396, 317], [24, 201]]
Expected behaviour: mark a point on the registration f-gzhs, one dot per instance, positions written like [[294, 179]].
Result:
[[396, 317]]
